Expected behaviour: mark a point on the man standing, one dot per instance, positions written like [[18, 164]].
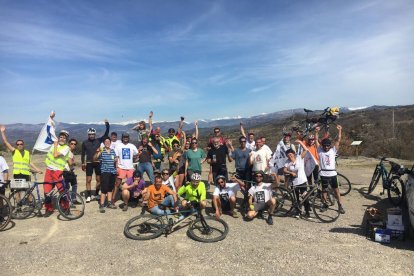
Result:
[[90, 165], [216, 157], [250, 144], [145, 152], [241, 157]]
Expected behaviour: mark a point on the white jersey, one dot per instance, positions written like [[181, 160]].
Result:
[[327, 162], [262, 193], [251, 146], [260, 159], [298, 167], [125, 154], [113, 144], [170, 183], [228, 191], [3, 167]]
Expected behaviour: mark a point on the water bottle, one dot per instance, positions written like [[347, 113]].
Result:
[[214, 158]]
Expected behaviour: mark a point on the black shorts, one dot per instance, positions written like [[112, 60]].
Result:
[[107, 182], [332, 180], [225, 204], [70, 178], [95, 166], [21, 176]]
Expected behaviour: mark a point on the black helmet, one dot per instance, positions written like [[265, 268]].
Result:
[[125, 134], [137, 174], [326, 142]]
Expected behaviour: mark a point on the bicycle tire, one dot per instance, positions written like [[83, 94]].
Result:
[[5, 211], [332, 209], [374, 180], [23, 204], [396, 191], [73, 208], [344, 184], [144, 227], [284, 201], [204, 233]]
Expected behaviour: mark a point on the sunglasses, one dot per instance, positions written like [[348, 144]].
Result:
[[73, 144], [19, 144], [243, 141], [193, 142], [157, 136], [259, 175], [220, 182]]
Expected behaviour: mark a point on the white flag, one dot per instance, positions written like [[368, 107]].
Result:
[[310, 163], [46, 137]]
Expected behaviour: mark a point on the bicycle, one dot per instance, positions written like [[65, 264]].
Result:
[[391, 181], [328, 116], [322, 201], [69, 204], [203, 229], [5, 208]]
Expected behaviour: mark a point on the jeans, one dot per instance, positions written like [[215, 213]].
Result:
[[147, 167], [168, 201]]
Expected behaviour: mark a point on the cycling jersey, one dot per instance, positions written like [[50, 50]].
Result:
[[89, 147], [192, 193]]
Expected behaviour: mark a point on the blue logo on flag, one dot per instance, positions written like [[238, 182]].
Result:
[[49, 136]]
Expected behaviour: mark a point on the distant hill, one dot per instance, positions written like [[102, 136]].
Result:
[[372, 125]]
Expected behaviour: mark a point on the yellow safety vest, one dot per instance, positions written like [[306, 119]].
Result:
[[21, 164], [169, 141], [59, 162]]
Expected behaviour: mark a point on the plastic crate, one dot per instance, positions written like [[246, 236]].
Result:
[[19, 184]]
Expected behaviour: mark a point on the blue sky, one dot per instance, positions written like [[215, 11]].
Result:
[[91, 60]]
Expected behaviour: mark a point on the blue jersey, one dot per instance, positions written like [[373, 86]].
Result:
[[108, 161]]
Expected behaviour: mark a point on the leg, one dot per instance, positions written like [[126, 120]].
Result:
[[217, 206], [232, 203], [126, 194], [97, 177]]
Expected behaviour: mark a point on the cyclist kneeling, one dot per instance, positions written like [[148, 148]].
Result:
[[159, 193], [260, 198], [194, 192], [224, 196]]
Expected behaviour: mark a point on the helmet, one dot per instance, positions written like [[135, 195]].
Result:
[[91, 130], [196, 176], [220, 177], [125, 134], [259, 172], [137, 173], [64, 132], [326, 142]]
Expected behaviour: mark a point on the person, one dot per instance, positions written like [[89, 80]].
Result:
[[194, 157], [134, 188], [69, 175], [108, 159], [157, 158], [327, 164], [260, 198], [195, 191], [266, 147], [225, 194], [241, 157], [169, 179], [56, 160], [114, 140], [216, 157], [259, 158], [142, 130], [217, 133], [22, 162], [250, 143], [145, 153], [279, 157], [126, 153], [159, 193], [295, 168], [311, 145], [4, 175], [90, 166], [173, 136]]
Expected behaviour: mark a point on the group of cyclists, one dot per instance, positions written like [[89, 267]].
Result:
[[173, 165]]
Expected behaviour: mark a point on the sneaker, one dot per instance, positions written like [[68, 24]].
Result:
[[307, 216], [125, 208], [111, 206], [341, 210], [88, 199], [269, 220], [296, 213], [323, 207], [234, 214], [260, 214], [181, 217], [101, 208]]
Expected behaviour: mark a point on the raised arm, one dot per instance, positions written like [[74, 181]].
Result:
[[243, 133], [150, 121], [339, 137], [106, 134], [196, 129], [3, 135], [305, 148], [184, 140], [317, 129], [180, 126]]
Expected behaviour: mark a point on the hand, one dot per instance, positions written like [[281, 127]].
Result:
[[229, 142], [39, 172], [2, 128], [83, 167], [196, 123], [150, 114], [182, 118], [52, 114], [217, 214], [149, 144], [106, 121], [241, 123], [339, 127]]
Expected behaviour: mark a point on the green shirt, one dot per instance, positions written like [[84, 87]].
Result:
[[194, 159], [193, 194]]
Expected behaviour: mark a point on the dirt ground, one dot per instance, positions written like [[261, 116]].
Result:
[[95, 244]]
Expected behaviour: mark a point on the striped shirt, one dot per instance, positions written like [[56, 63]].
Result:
[[108, 161]]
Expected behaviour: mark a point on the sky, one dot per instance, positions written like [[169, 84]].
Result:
[[91, 60]]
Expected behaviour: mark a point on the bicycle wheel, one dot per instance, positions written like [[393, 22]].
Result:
[[344, 184], [5, 211], [325, 208], [22, 204], [208, 229], [144, 227], [70, 205], [396, 191], [374, 180], [284, 201]]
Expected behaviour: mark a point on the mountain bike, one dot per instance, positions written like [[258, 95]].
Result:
[[5, 208], [200, 228], [69, 204], [323, 120], [391, 181], [322, 201]]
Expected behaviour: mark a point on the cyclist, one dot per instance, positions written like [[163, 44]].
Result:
[[259, 158], [250, 143], [89, 148], [311, 145], [260, 198], [225, 194], [241, 157], [295, 168], [194, 191], [108, 159], [194, 157], [114, 141], [159, 193], [133, 187], [69, 172], [216, 157], [56, 160], [21, 158], [177, 162], [168, 179], [327, 164], [145, 152], [279, 156]]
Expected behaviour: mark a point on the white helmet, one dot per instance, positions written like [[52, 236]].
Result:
[[196, 176], [91, 130], [64, 132]]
